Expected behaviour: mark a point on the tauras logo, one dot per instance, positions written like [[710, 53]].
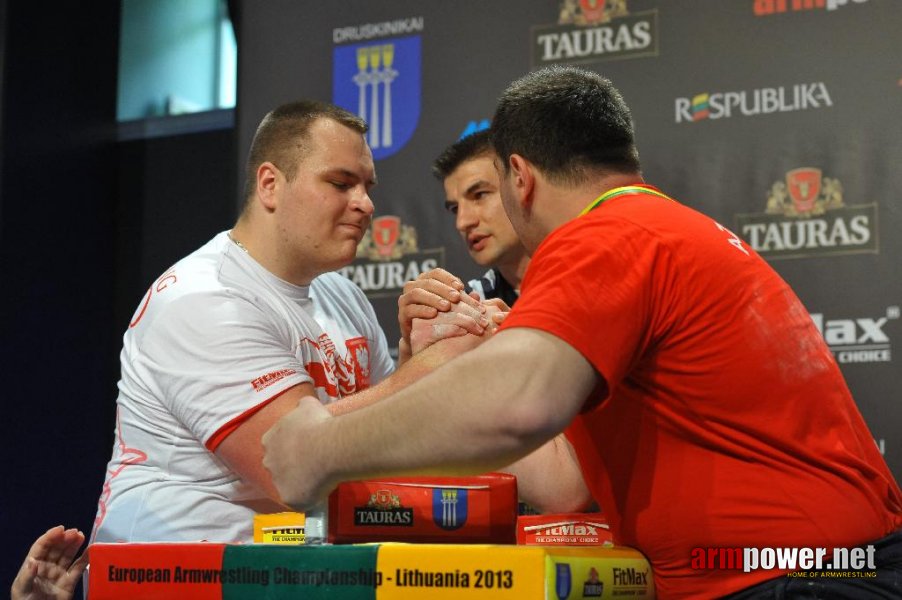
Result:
[[593, 31], [384, 508], [858, 340], [806, 215], [388, 256], [750, 103], [395, 516]]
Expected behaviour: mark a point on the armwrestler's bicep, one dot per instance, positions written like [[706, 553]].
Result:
[[242, 450]]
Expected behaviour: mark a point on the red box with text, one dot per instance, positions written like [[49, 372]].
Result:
[[479, 509]]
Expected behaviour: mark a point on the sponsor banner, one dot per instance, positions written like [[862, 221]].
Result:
[[309, 572], [368, 31], [861, 339], [210, 571], [590, 31], [763, 8], [280, 528], [214, 571], [388, 256], [806, 215], [380, 81], [565, 529], [479, 509], [137, 571], [619, 573], [450, 572], [750, 103]]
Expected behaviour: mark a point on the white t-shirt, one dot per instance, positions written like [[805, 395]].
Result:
[[215, 338]]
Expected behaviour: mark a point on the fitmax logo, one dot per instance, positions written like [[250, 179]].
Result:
[[858, 340]]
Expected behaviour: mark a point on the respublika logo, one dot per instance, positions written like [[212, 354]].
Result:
[[449, 508], [763, 8], [858, 340], [388, 256], [590, 31], [807, 216], [380, 81], [750, 103]]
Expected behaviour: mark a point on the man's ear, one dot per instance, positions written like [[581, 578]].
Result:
[[524, 180], [268, 181]]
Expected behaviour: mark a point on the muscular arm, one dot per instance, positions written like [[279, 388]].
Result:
[[549, 478], [532, 384], [242, 450]]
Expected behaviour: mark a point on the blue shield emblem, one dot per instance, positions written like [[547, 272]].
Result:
[[449, 508], [379, 81], [562, 580]]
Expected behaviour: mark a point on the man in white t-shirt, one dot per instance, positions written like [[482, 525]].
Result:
[[228, 340]]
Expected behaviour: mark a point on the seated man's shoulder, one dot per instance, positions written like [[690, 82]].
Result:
[[192, 296]]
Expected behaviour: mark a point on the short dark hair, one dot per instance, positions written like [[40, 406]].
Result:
[[472, 146], [282, 136], [568, 122]]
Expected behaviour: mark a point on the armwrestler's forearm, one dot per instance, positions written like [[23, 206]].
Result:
[[413, 369], [550, 480], [429, 427]]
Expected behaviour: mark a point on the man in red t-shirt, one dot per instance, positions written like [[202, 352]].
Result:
[[706, 411]]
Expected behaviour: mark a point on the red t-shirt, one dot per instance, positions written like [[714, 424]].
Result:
[[725, 421]]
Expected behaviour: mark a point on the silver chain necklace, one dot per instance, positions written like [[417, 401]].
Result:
[[237, 243]]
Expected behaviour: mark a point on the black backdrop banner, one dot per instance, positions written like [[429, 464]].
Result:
[[780, 118]]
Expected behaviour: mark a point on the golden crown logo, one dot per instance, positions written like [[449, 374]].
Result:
[[804, 193], [591, 12], [387, 239]]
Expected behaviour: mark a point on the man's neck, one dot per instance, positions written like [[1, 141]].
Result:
[[570, 201], [513, 270], [264, 249]]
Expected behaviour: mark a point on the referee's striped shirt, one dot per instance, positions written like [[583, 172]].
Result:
[[493, 285]]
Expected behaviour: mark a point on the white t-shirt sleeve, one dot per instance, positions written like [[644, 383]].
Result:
[[216, 357]]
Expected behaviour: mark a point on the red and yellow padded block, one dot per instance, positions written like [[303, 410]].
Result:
[[390, 571], [448, 572], [208, 571], [455, 510]]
